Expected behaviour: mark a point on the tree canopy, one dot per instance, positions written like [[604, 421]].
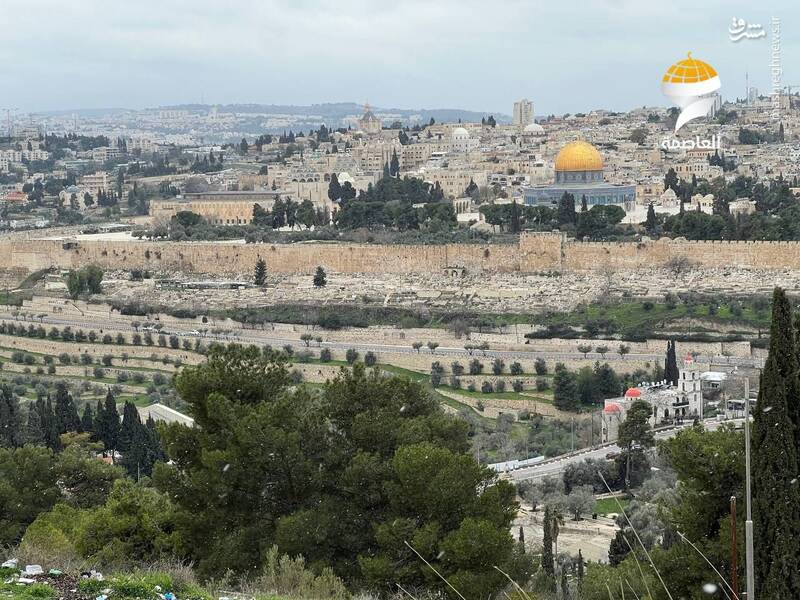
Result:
[[343, 477]]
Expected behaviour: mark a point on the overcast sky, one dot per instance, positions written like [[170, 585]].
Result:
[[472, 54]]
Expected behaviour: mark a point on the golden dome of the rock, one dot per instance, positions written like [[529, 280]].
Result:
[[579, 156]]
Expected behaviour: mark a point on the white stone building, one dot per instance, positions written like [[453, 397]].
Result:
[[670, 404]]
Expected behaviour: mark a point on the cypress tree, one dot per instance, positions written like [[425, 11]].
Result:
[[794, 401], [260, 272], [98, 419], [547, 544], [320, 278], [87, 420], [776, 500], [671, 373], [515, 226], [107, 429], [650, 222], [11, 433], [142, 445], [34, 434], [128, 430], [50, 426], [66, 413]]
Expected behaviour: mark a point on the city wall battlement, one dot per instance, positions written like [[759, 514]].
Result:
[[535, 253]]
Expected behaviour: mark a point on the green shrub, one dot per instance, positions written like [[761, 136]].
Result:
[[287, 576], [540, 366]]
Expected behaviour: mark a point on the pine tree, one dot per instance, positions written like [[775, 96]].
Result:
[[619, 549], [320, 278], [394, 165], [566, 209], [260, 273], [334, 188], [776, 501], [584, 204], [565, 389], [547, 544], [580, 566]]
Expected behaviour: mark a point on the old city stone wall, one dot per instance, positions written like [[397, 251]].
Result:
[[534, 253]]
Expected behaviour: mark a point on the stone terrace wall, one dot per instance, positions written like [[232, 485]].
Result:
[[534, 253], [592, 256], [222, 258]]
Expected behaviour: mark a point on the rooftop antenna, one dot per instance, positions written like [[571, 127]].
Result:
[[9, 112], [746, 88]]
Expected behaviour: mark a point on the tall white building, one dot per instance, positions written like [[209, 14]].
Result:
[[523, 112]]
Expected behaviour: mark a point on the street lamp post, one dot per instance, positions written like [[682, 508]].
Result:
[[748, 524]]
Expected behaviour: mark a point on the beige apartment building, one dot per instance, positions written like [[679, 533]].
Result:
[[701, 169], [95, 182], [218, 208], [454, 183]]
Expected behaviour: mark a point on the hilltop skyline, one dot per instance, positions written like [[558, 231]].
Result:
[[408, 55]]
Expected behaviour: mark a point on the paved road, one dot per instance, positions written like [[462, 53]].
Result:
[[263, 336], [556, 466]]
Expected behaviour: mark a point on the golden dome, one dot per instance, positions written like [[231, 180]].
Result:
[[579, 156], [689, 70]]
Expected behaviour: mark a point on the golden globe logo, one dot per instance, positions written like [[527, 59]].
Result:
[[691, 84]]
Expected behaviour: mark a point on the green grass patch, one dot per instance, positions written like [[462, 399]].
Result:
[[640, 319], [14, 298], [34, 591], [143, 586], [527, 395], [607, 506]]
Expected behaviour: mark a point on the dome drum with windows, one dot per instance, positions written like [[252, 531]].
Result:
[[579, 161]]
